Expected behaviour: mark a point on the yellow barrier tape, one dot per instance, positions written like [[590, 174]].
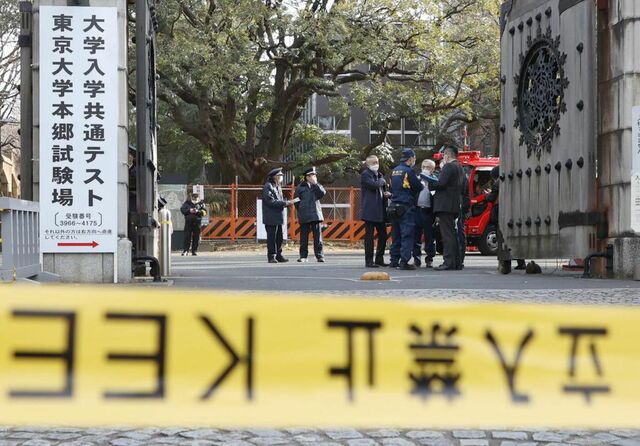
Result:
[[89, 356]]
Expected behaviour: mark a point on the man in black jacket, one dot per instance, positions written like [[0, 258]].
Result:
[[448, 189], [373, 187], [309, 213], [193, 211], [273, 205]]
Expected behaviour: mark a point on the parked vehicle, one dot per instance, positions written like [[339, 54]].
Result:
[[481, 235]]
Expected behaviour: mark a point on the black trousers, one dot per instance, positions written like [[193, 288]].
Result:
[[191, 235], [274, 241], [462, 239], [451, 253], [305, 228], [381, 228]]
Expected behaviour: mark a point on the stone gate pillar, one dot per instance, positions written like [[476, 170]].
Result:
[[618, 154]]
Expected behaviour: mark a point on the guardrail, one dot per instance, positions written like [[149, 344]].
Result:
[[19, 222]]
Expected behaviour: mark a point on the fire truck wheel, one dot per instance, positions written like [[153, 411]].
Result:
[[488, 244]]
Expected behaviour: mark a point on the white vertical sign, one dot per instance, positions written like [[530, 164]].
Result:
[[635, 169], [261, 231], [635, 201], [198, 189], [635, 138], [78, 129]]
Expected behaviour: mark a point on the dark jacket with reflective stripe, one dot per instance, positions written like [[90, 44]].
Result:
[[405, 185]]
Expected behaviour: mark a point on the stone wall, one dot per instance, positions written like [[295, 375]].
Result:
[[618, 92]]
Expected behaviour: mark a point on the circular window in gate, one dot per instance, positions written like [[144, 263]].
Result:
[[540, 93]]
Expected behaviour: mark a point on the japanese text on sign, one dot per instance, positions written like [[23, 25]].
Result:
[[78, 129]]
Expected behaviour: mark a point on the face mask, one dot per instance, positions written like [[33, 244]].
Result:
[[426, 172], [374, 167]]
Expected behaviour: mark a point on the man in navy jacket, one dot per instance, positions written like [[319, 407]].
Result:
[[273, 205], [310, 214], [374, 195]]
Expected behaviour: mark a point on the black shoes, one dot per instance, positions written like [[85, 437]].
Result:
[[184, 253], [320, 259], [407, 266], [428, 264], [273, 261], [371, 265], [281, 259], [381, 263], [194, 253], [417, 262], [393, 265], [443, 267]]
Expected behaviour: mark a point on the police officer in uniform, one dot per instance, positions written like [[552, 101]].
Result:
[[405, 187], [309, 211], [193, 211], [273, 205]]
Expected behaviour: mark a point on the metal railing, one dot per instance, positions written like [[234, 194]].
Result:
[[232, 212], [20, 246]]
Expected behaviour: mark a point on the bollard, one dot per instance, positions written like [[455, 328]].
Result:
[[166, 228]]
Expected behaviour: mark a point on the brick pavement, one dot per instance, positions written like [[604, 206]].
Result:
[[321, 437]]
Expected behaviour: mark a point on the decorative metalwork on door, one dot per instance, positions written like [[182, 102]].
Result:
[[540, 92]]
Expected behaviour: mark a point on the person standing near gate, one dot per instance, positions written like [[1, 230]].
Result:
[[309, 213], [193, 211], [448, 189], [425, 219], [405, 187], [273, 205], [373, 209]]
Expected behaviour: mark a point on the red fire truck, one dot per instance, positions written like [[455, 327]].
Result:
[[481, 235]]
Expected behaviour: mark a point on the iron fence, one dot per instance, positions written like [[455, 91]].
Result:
[[232, 212], [20, 245]]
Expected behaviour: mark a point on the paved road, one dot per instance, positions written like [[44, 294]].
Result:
[[341, 276]]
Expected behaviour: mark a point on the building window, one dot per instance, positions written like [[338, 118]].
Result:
[[338, 124]]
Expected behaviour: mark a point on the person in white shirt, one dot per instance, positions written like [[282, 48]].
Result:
[[425, 219]]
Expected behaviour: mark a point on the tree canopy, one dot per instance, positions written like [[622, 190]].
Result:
[[235, 75], [9, 71]]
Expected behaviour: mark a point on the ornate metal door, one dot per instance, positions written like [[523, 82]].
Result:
[[548, 129]]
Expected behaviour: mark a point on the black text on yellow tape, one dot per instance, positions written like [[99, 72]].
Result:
[[80, 356]]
